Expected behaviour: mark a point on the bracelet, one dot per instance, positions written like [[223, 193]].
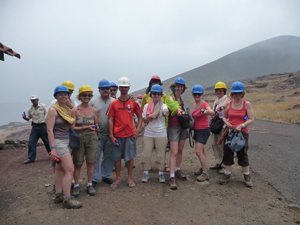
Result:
[[53, 147], [243, 125]]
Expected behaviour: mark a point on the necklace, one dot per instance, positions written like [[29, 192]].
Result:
[[238, 103]]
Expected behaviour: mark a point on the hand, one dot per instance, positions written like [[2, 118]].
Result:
[[69, 103], [153, 115], [54, 154], [166, 113], [136, 135], [229, 125], [179, 112], [238, 128], [113, 140], [91, 127], [204, 112]]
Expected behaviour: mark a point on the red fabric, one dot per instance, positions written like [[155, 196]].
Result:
[[123, 112], [236, 117], [201, 121]]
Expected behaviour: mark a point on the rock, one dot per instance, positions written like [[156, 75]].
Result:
[[202, 183], [2, 146], [17, 145], [9, 142], [47, 185], [294, 206]]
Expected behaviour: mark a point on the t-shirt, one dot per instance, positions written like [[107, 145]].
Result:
[[201, 121], [102, 107], [155, 128], [122, 112]]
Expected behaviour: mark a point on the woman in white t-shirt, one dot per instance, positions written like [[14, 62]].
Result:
[[154, 114]]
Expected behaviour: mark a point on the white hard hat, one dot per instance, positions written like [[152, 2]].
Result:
[[124, 82], [33, 97]]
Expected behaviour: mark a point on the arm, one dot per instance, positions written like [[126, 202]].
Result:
[[225, 117], [96, 117], [79, 129], [208, 111], [51, 116], [250, 117], [139, 126], [173, 106], [111, 130]]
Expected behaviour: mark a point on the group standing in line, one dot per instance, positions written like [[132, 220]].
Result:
[[105, 124]]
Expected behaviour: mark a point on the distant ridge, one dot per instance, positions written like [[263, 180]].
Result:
[[276, 55]]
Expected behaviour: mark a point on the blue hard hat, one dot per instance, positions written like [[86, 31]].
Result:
[[61, 88], [104, 83], [197, 89], [156, 88], [112, 84], [179, 80], [237, 87]]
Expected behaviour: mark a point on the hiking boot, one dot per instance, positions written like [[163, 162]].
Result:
[[90, 190], [224, 179], [248, 180], [75, 191], [199, 172], [145, 178], [203, 177], [161, 178], [59, 198], [180, 175], [215, 167], [173, 185], [222, 171], [71, 203], [94, 183]]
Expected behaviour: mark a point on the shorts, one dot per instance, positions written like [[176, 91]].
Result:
[[127, 149], [62, 147], [177, 133], [201, 135], [88, 148], [242, 155]]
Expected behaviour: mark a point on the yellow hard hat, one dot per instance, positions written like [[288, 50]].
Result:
[[220, 85], [84, 88], [69, 85]]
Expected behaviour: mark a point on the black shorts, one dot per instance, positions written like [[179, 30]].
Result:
[[201, 135]]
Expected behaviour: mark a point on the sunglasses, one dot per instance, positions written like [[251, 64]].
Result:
[[104, 88], [197, 94], [113, 89], [238, 93], [156, 93], [87, 95]]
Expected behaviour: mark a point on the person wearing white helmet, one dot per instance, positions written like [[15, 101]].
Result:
[[37, 113], [70, 103], [122, 132]]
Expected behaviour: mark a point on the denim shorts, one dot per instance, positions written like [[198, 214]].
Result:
[[127, 149], [177, 133], [202, 135]]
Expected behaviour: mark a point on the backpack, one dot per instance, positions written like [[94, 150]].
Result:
[[235, 140]]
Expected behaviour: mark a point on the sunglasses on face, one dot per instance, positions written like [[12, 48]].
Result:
[[113, 89], [104, 88], [156, 93], [197, 94], [238, 93], [87, 95]]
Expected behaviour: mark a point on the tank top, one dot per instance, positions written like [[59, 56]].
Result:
[[236, 117], [173, 120], [201, 121], [61, 128], [82, 121]]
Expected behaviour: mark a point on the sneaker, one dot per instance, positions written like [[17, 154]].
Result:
[[71, 203], [167, 148], [222, 171], [145, 178], [180, 175], [59, 198], [173, 185], [203, 177], [75, 191], [90, 190], [248, 181], [161, 178], [224, 179], [199, 172]]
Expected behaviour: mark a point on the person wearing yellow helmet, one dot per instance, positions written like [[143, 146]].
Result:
[[70, 103], [218, 107], [85, 124]]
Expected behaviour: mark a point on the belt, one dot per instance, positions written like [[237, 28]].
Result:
[[32, 123]]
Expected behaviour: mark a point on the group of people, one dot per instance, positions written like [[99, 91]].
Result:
[[106, 124]]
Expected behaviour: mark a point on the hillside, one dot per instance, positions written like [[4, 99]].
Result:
[[276, 55]]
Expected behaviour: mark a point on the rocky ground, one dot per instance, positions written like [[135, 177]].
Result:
[[26, 197]]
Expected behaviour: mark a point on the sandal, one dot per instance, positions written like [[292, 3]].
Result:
[[115, 184], [131, 184]]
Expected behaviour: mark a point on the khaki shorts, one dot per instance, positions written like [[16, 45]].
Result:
[[88, 148], [62, 147], [177, 133]]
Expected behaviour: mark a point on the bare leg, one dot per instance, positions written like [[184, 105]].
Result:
[[179, 154], [173, 156], [90, 171], [228, 168], [68, 170], [77, 169], [130, 168], [246, 169], [201, 155], [118, 170]]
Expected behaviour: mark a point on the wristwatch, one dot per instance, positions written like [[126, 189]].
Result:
[[243, 125]]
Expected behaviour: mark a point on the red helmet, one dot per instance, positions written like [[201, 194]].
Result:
[[155, 77], [140, 96]]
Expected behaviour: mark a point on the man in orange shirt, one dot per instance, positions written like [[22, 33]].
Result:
[[121, 130]]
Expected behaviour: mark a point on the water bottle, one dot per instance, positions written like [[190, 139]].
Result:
[[24, 114], [57, 160], [246, 117], [117, 144]]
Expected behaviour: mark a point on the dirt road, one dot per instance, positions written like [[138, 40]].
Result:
[[26, 197]]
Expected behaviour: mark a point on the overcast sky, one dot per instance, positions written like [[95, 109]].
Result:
[[86, 41]]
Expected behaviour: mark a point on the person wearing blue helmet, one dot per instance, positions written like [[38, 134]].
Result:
[[201, 110], [59, 121], [176, 134], [113, 90], [101, 103], [155, 136], [239, 115]]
